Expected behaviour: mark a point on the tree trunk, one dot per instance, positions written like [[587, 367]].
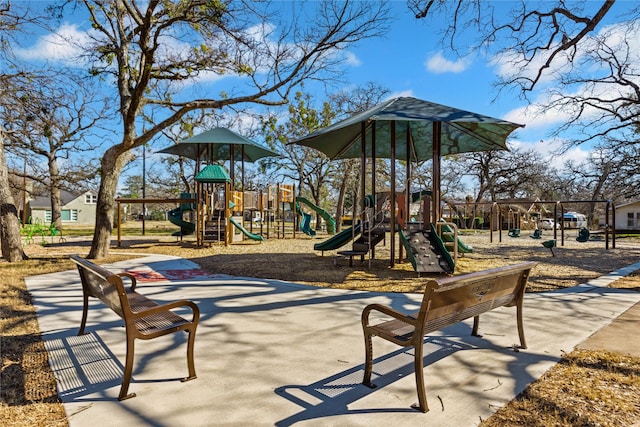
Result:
[[342, 192], [112, 163], [54, 188], [11, 246]]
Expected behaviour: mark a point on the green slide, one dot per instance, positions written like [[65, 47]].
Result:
[[246, 232], [339, 240], [424, 244], [175, 217], [331, 223], [462, 247], [305, 224]]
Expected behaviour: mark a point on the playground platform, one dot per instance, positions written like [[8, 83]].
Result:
[[277, 353]]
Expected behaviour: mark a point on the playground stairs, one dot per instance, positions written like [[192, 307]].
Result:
[[368, 240], [449, 239], [214, 229]]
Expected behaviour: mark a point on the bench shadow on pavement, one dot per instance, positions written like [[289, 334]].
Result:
[[332, 395]]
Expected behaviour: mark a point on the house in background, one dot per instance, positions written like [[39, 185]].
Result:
[[76, 209], [628, 216]]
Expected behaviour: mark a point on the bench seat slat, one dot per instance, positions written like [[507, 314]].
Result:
[[158, 322]]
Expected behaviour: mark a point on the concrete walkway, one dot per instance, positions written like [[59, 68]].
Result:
[[276, 353]]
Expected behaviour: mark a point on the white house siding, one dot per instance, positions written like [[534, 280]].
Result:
[[80, 210], [628, 216]]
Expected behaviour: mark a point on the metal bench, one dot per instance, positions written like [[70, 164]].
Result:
[[446, 301], [143, 318]]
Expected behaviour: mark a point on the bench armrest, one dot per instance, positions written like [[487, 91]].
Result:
[[388, 311], [132, 278], [163, 308]]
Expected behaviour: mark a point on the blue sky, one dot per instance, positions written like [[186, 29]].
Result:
[[408, 62]]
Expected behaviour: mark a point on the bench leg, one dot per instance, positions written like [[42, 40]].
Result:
[[368, 360], [476, 324], [190, 363], [85, 309], [128, 370], [418, 369], [523, 343]]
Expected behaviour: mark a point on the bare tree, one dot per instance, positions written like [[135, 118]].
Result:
[[12, 78], [510, 174], [346, 173], [581, 69], [155, 47], [9, 223], [52, 121]]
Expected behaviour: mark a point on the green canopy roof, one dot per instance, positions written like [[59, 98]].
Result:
[[216, 144], [461, 131], [214, 174]]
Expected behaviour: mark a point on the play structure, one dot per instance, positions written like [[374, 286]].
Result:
[[433, 248], [217, 214], [221, 212], [35, 227]]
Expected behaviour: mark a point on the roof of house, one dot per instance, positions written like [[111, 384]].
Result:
[[627, 204], [65, 198]]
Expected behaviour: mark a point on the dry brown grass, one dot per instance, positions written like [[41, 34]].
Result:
[[562, 397], [586, 388]]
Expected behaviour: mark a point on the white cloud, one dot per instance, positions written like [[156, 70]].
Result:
[[438, 64], [351, 59], [534, 117], [65, 45], [551, 151]]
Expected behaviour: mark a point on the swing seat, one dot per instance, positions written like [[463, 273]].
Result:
[[583, 235], [550, 244]]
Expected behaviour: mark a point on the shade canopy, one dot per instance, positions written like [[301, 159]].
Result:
[[461, 131], [409, 129], [218, 144]]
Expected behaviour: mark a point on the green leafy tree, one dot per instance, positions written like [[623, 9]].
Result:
[[306, 166]]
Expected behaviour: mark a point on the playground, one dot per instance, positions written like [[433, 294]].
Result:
[[295, 260]]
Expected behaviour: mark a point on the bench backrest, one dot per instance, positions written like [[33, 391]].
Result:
[[453, 299], [100, 283]]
